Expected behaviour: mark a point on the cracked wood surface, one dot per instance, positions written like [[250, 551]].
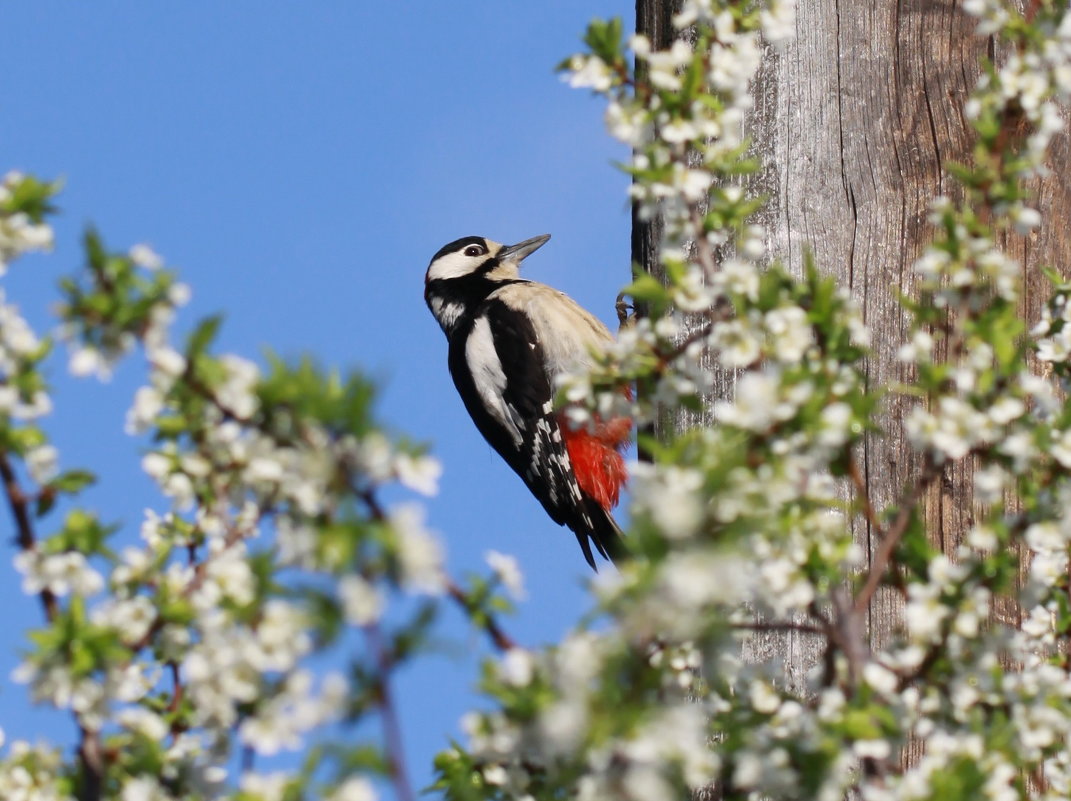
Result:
[[854, 120]]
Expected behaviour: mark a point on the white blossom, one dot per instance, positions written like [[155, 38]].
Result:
[[419, 473], [589, 72], [789, 331], [670, 496], [362, 602], [779, 22], [43, 463], [61, 573], [148, 403], [144, 256], [508, 571], [419, 551], [355, 788], [516, 667]]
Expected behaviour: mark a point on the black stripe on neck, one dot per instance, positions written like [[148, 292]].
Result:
[[469, 291]]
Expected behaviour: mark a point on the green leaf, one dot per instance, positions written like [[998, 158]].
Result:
[[203, 336], [604, 39], [73, 481], [46, 501], [648, 289], [31, 197]]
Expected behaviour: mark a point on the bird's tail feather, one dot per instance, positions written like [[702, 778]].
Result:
[[596, 525]]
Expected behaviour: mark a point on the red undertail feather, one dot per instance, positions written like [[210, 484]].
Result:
[[597, 461]]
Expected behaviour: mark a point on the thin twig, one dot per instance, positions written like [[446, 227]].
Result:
[[19, 504], [176, 680], [392, 730], [502, 641], [89, 747], [849, 632], [862, 493], [891, 538], [704, 252]]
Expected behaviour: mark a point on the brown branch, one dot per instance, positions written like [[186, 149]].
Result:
[[862, 492], [502, 641], [891, 538], [89, 749], [19, 503], [392, 730], [704, 252], [849, 632], [92, 759], [1031, 10], [176, 679]]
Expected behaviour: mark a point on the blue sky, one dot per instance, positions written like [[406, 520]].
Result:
[[300, 163]]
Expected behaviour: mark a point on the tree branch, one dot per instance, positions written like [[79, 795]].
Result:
[[891, 538], [19, 503], [392, 730], [89, 748], [502, 641]]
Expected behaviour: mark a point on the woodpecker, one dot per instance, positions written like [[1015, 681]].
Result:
[[508, 339]]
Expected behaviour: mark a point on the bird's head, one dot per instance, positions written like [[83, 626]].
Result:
[[462, 273], [477, 256]]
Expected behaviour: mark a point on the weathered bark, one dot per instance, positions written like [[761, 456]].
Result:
[[654, 20], [854, 121]]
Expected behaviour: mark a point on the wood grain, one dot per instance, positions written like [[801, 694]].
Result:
[[854, 121]]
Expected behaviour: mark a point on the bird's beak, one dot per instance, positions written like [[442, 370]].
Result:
[[522, 250]]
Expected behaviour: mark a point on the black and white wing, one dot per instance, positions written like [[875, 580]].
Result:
[[497, 364]]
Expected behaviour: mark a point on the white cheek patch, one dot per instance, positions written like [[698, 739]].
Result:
[[489, 377], [453, 265], [445, 312]]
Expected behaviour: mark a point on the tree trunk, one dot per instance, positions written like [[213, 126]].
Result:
[[854, 121], [654, 20]]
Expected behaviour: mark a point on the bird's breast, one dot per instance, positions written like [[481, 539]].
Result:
[[566, 332]]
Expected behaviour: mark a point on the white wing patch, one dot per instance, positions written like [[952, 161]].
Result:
[[489, 377]]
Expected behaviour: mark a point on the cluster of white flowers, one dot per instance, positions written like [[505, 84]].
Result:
[[19, 234], [53, 680], [1035, 81], [287, 716], [782, 335], [978, 264], [743, 520], [18, 345], [1053, 331], [663, 135], [32, 773], [673, 741], [420, 552], [669, 745], [58, 573], [99, 359], [196, 612]]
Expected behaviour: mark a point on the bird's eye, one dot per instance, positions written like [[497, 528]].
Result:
[[474, 250]]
